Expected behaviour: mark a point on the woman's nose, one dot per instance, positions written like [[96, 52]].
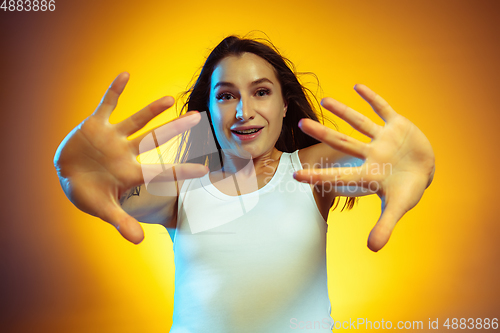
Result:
[[244, 110]]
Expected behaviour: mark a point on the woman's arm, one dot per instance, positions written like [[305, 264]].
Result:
[[149, 208]]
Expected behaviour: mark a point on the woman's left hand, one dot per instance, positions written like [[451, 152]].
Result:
[[398, 162]]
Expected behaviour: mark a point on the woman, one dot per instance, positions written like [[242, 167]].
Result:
[[249, 240]]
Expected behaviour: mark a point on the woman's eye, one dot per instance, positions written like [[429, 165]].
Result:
[[224, 96], [262, 92]]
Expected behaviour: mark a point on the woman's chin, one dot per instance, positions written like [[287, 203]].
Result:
[[244, 152], [238, 152]]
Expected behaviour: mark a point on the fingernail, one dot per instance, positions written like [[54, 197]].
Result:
[[355, 86], [300, 123], [295, 174], [189, 113], [195, 116]]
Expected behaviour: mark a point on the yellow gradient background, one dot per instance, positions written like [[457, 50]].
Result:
[[435, 62]]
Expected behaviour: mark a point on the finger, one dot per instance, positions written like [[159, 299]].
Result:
[[358, 121], [347, 176], [379, 105], [334, 139], [380, 234], [171, 172], [404, 194], [138, 120], [128, 227], [110, 99], [159, 180], [343, 181], [158, 136]]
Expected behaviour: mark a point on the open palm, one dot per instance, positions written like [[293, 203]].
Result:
[[398, 162], [97, 163]]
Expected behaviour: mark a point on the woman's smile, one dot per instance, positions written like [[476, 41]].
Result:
[[246, 133]]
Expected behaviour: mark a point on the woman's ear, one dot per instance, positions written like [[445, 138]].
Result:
[[285, 107]]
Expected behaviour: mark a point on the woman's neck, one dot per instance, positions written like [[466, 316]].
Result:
[[233, 164]]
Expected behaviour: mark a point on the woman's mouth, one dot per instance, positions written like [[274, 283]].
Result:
[[247, 134]]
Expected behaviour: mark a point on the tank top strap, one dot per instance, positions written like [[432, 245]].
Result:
[[295, 161]]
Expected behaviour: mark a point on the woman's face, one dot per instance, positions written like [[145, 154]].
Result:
[[246, 105]]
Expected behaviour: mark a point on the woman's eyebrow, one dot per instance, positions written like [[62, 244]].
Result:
[[223, 84], [259, 81], [231, 85]]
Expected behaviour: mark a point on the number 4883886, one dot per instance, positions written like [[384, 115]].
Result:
[[28, 5]]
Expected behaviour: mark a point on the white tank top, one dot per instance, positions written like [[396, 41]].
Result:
[[251, 263]]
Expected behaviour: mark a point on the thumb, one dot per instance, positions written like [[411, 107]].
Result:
[[126, 225], [399, 199], [381, 232]]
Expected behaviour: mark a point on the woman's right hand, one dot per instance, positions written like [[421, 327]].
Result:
[[96, 163]]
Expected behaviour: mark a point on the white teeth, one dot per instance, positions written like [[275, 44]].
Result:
[[249, 131]]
